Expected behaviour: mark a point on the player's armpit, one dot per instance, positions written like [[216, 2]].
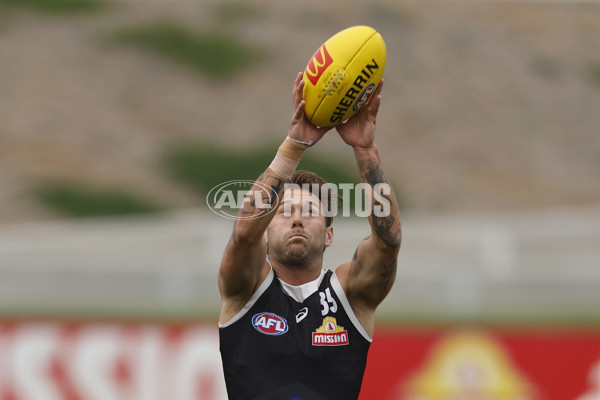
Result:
[[371, 274]]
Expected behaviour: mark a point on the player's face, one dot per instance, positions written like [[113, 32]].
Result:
[[298, 232]]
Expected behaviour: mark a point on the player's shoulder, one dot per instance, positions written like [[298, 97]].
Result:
[[232, 305]]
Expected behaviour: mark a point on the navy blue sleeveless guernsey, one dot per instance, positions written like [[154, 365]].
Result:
[[295, 343]]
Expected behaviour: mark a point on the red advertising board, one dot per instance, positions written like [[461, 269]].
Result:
[[109, 361], [117, 361], [483, 364]]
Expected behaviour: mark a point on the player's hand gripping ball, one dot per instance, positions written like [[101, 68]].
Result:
[[342, 75]]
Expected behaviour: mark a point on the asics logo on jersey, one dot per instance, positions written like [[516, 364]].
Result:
[[270, 324], [301, 314]]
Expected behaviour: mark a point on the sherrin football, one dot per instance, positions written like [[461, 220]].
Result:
[[343, 74]]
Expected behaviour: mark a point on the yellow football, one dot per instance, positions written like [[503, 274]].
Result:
[[343, 74]]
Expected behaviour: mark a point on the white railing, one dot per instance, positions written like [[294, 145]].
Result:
[[166, 265]]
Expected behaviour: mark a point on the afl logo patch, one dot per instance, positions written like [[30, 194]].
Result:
[[363, 97], [270, 324]]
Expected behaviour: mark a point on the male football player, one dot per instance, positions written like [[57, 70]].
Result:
[[289, 328]]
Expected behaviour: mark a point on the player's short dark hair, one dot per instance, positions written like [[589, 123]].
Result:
[[314, 181]]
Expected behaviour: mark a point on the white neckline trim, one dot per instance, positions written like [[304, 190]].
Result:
[[339, 291], [261, 289], [302, 292]]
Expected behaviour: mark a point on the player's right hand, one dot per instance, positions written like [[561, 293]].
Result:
[[301, 130]]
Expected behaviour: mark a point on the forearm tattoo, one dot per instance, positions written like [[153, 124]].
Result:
[[275, 183], [269, 197]]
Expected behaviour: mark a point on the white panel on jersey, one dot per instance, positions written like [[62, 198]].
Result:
[[337, 287], [302, 292]]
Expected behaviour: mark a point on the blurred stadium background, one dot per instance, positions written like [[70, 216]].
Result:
[[117, 117]]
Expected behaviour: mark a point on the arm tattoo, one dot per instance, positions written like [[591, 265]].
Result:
[[389, 270], [355, 256], [276, 185], [275, 190], [382, 226]]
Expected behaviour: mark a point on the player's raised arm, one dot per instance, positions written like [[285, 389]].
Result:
[[243, 266], [371, 272]]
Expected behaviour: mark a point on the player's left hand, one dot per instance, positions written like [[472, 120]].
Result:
[[359, 130]]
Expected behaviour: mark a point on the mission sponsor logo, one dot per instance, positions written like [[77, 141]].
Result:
[[330, 334], [318, 64], [270, 324]]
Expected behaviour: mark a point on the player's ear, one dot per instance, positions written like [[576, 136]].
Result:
[[328, 236]]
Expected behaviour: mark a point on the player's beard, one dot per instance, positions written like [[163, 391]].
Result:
[[297, 253]]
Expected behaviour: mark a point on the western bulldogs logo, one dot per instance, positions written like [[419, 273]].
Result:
[[270, 324]]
